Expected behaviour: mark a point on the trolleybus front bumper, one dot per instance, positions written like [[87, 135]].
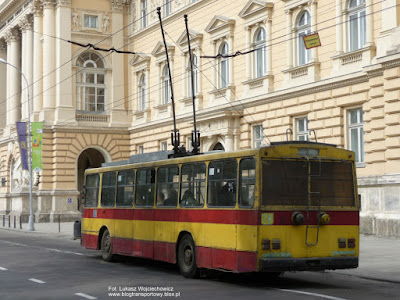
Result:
[[307, 264]]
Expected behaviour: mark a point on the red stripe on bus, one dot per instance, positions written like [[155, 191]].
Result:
[[89, 241], [337, 217], [242, 217], [238, 261]]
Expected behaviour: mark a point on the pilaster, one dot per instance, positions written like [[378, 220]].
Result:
[[3, 83], [49, 51], [37, 95]]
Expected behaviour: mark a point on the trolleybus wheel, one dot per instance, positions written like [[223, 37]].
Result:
[[187, 257], [106, 246]]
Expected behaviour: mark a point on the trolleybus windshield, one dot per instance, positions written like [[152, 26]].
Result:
[[286, 182]]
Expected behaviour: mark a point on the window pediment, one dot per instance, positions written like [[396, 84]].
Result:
[[220, 24], [140, 59], [195, 38], [255, 8], [159, 51]]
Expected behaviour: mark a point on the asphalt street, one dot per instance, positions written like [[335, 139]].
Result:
[[53, 266]]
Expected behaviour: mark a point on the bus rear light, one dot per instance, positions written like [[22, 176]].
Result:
[[276, 244], [266, 244], [342, 243], [351, 243]]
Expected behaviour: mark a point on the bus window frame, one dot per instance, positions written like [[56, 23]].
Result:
[[235, 159], [239, 188], [115, 190], [134, 188], [98, 191], [205, 184], [178, 188]]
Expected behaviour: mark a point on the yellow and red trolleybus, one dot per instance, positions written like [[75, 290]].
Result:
[[286, 207]]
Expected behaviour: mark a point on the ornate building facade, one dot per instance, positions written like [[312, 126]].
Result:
[[104, 106]]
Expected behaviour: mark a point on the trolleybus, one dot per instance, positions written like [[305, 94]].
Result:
[[291, 206]]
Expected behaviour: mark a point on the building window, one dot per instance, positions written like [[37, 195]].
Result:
[[140, 149], [91, 83], [142, 93], [357, 24], [167, 8], [356, 133], [143, 13], [90, 21], [165, 86], [302, 129], [223, 66], [260, 55], [164, 146], [258, 136], [195, 76], [303, 29]]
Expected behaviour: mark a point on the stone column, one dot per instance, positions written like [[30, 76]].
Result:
[[228, 142], [248, 57], [65, 112], [314, 51], [14, 85], [289, 43], [369, 21], [37, 60], [47, 113], [116, 105], [268, 45], [339, 29], [231, 61], [27, 63], [3, 83]]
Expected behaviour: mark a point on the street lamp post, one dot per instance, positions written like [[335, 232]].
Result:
[[31, 224]]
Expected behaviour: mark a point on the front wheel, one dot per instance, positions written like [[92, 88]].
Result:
[[106, 246], [187, 257]]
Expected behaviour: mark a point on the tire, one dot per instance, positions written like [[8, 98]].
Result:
[[106, 246], [187, 257]]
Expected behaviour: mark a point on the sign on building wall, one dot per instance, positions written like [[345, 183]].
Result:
[[37, 132], [312, 41], [21, 129]]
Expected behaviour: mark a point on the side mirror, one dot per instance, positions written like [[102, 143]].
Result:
[[359, 200], [82, 196]]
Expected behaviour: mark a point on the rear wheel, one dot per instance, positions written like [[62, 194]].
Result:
[[187, 257], [106, 246]]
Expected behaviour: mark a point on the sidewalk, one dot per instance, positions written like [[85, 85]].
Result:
[[379, 258]]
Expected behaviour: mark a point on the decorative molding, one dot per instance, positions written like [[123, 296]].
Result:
[[48, 3], [36, 8], [256, 7], [3, 45], [13, 35], [220, 24], [26, 23], [119, 5], [63, 3], [194, 37]]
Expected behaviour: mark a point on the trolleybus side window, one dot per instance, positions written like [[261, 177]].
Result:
[[145, 180], [167, 186], [247, 177], [222, 183], [92, 190], [125, 181], [108, 189], [193, 186]]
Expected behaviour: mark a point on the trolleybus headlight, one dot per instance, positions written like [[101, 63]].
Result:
[[297, 218], [351, 243], [324, 218], [342, 243], [266, 244]]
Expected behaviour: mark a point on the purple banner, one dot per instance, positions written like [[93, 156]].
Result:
[[21, 129]]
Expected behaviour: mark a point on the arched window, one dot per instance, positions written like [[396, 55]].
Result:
[[303, 29], [91, 82], [142, 93], [260, 55], [223, 66], [143, 13], [165, 86], [195, 76], [357, 24]]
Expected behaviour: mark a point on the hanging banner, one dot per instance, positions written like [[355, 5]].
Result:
[[37, 132], [21, 130], [312, 41]]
